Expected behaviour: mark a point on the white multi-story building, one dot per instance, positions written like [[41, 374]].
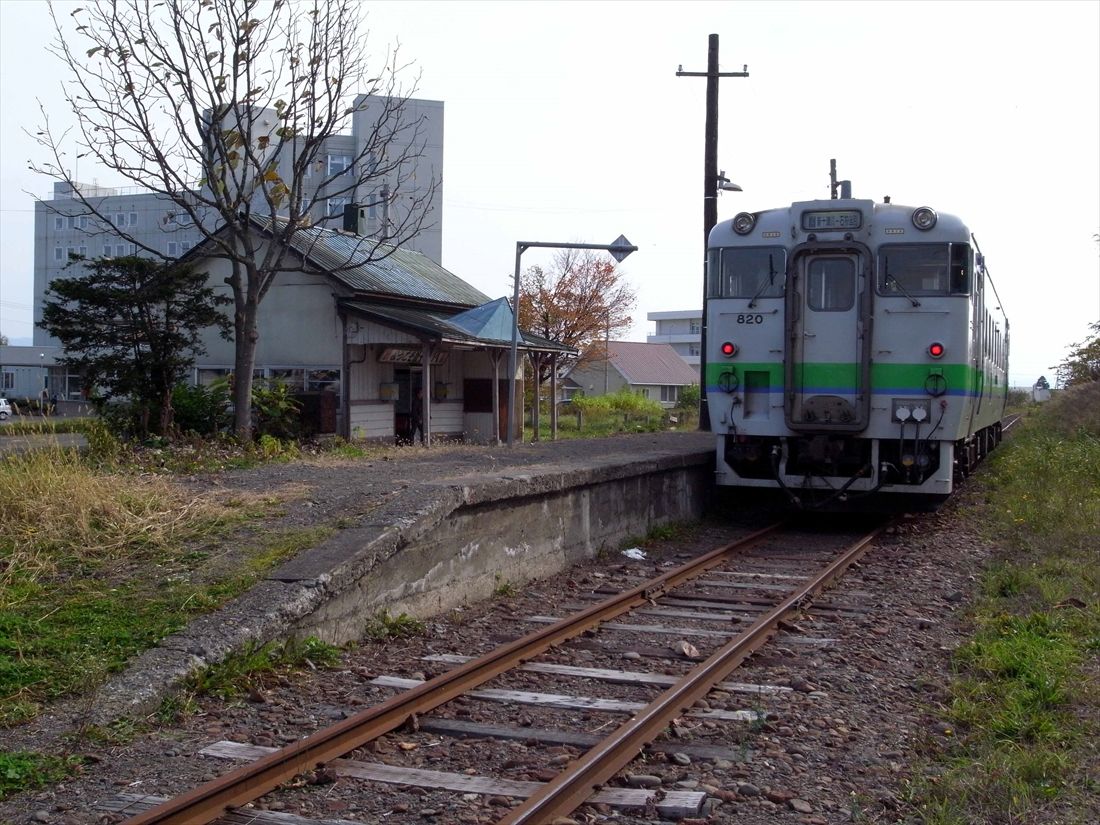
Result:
[[680, 329], [61, 228]]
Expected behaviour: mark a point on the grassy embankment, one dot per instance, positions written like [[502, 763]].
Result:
[[99, 560], [1024, 701]]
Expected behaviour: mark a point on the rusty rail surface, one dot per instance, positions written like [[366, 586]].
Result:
[[248, 783], [579, 780]]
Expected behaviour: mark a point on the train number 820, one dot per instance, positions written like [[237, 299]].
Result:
[[744, 318]]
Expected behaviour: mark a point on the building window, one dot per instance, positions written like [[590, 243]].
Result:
[[120, 219], [133, 219], [184, 246], [8, 381], [671, 394], [338, 164], [292, 378], [317, 380], [693, 349], [58, 222], [336, 206], [173, 248], [644, 392], [58, 253], [695, 326]]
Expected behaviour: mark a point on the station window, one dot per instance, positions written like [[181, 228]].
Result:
[[747, 272], [322, 379]]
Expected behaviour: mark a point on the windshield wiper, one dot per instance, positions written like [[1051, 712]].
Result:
[[771, 280], [890, 278]]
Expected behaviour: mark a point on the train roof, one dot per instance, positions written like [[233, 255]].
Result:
[[879, 221]]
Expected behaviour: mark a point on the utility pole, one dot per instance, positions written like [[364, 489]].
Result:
[[710, 196]]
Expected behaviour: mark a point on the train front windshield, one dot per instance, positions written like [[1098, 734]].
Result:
[[924, 269], [747, 272]]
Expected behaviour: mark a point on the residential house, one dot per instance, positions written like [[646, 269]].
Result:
[[655, 371]]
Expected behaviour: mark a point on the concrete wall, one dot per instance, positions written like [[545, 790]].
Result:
[[431, 548], [504, 530]]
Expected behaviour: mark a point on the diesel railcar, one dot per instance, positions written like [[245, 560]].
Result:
[[854, 350]]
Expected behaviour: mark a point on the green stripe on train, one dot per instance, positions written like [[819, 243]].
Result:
[[842, 376]]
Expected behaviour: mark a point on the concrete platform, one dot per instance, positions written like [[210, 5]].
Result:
[[448, 535]]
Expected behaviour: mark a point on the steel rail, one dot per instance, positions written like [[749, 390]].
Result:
[[581, 778], [247, 783]]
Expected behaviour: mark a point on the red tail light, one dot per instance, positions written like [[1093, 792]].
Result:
[[729, 349], [936, 349]]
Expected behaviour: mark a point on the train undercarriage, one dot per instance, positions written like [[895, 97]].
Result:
[[839, 471]]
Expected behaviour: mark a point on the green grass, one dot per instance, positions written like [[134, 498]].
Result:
[[248, 670], [97, 566], [384, 627], [1024, 702], [26, 770]]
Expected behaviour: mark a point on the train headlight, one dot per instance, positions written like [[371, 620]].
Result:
[[924, 218], [729, 349], [936, 349], [743, 223]]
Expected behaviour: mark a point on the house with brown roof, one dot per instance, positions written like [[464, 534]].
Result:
[[655, 371]]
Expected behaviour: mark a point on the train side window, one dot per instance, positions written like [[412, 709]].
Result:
[[714, 274], [961, 267], [753, 272], [831, 284]]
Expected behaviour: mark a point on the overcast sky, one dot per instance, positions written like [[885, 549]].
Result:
[[566, 122]]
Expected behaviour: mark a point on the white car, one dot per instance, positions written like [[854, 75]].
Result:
[[5, 409]]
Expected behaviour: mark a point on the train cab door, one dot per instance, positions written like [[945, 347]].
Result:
[[828, 336]]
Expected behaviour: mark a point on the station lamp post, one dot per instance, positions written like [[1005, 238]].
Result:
[[619, 249]]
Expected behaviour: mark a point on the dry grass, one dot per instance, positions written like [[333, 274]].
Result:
[[55, 509], [1076, 410]]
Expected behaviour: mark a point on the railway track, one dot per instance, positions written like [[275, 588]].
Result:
[[685, 630]]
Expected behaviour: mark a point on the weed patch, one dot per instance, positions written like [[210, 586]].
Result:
[[383, 627], [26, 770], [246, 671], [1025, 701], [97, 565]]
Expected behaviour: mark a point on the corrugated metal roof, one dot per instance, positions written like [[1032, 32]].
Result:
[[402, 272], [491, 321], [651, 364], [441, 325]]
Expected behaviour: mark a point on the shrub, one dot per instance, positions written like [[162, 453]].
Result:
[[201, 410]]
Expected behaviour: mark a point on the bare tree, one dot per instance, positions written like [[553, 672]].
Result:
[[580, 301], [223, 109]]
